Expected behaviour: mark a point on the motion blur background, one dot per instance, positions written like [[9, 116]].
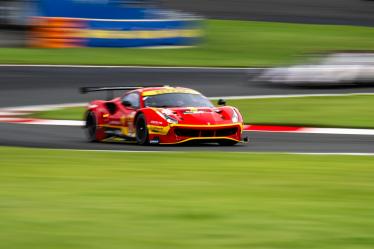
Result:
[[147, 23], [301, 69]]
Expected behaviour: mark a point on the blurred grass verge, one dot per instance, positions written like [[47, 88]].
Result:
[[74, 199], [351, 111], [227, 43]]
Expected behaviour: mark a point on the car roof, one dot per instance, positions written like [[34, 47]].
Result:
[[150, 91]]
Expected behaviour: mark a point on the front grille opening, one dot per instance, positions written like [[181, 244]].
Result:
[[207, 133], [187, 132], [184, 132], [226, 132]]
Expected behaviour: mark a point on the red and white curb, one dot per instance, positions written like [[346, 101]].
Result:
[[309, 130], [41, 121], [16, 115], [253, 128]]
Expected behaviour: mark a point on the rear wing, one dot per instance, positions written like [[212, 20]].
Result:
[[84, 90], [111, 89]]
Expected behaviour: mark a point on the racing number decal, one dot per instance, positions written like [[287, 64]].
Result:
[[130, 123]]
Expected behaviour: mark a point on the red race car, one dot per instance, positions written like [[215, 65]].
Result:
[[161, 115]]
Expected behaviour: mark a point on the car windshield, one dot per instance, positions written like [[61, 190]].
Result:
[[176, 100]]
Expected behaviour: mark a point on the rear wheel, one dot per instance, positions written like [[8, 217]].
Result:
[[93, 132], [141, 130]]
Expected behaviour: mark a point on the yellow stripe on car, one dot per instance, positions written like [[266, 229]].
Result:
[[169, 90], [158, 130], [203, 138]]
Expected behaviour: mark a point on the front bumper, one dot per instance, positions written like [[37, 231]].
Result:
[[181, 133]]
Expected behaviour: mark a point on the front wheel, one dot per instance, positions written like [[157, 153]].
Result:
[[141, 130]]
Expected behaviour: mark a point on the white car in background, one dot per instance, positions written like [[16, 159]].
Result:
[[332, 70]]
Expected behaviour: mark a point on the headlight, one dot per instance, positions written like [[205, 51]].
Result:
[[235, 117], [169, 119]]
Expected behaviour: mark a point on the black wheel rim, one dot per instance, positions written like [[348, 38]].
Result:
[[141, 131]]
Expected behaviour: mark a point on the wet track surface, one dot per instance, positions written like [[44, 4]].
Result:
[[43, 85]]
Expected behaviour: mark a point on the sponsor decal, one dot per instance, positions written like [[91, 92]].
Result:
[[194, 111], [169, 90], [114, 122], [167, 111], [155, 122], [154, 141]]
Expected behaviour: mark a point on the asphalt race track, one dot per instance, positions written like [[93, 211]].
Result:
[[73, 138], [21, 86], [343, 12]]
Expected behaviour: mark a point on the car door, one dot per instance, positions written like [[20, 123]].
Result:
[[130, 104]]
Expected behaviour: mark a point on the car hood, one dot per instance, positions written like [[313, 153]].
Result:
[[199, 116]]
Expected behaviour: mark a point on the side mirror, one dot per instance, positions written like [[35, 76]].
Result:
[[221, 102], [126, 103]]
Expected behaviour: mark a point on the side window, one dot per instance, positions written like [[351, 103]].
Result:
[[132, 98]]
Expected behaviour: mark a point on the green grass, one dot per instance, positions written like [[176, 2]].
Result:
[[67, 199], [69, 113], [341, 111], [227, 43]]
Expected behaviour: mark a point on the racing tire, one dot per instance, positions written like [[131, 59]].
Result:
[[227, 142], [142, 137], [93, 132]]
